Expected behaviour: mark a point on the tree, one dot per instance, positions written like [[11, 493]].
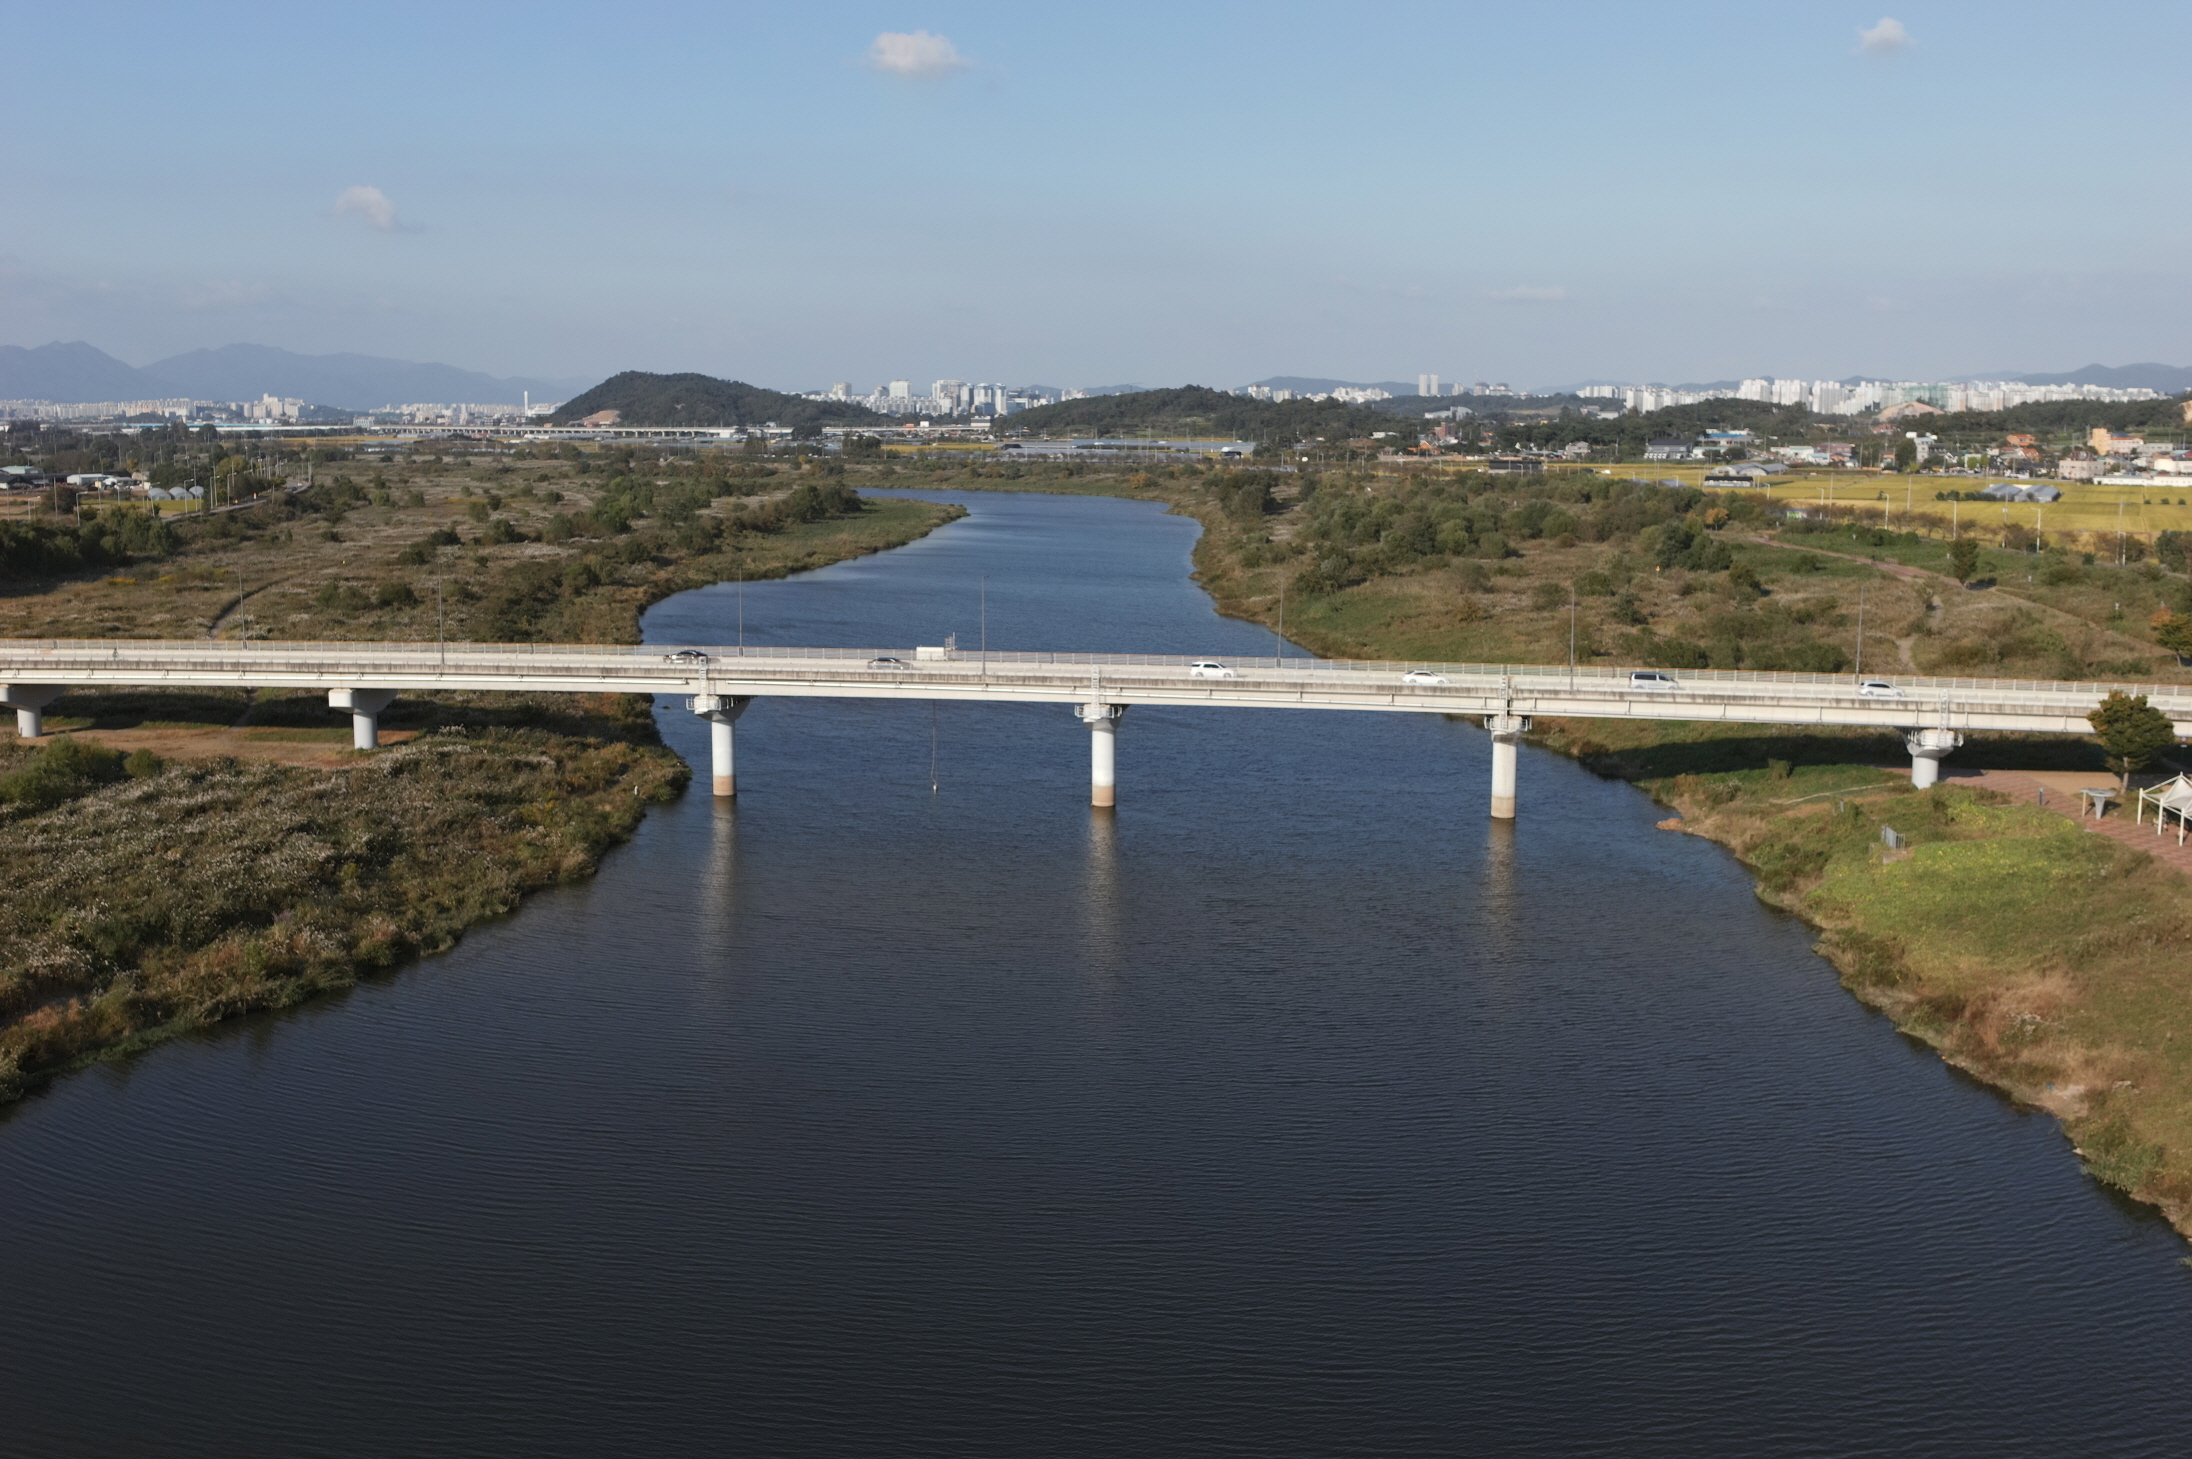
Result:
[[2132, 732], [2173, 631], [1906, 454], [1963, 558]]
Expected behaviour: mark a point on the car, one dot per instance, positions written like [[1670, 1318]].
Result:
[[685, 656], [1426, 678], [1878, 689], [1652, 679], [1208, 669], [885, 661]]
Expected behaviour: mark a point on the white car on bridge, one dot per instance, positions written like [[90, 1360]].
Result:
[[1878, 689], [1652, 679], [1425, 678], [1209, 669]]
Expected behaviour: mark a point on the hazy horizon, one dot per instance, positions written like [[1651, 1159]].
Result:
[[796, 196]]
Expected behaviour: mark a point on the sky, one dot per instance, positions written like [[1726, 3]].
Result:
[[1091, 195]]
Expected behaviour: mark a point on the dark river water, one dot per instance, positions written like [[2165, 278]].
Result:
[[1297, 1111]]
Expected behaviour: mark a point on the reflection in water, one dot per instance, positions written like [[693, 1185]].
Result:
[[1101, 909], [719, 884]]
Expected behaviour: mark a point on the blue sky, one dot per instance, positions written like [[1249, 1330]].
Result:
[[1097, 194]]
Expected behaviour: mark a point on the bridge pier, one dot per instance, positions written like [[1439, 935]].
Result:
[[1928, 747], [1103, 744], [1505, 730], [365, 706], [29, 702], [721, 711]]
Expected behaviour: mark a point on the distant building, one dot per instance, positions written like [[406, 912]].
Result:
[[1427, 385], [2078, 468], [1667, 449], [2010, 491], [2106, 442]]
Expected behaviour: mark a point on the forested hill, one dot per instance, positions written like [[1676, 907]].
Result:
[[1194, 410], [644, 399]]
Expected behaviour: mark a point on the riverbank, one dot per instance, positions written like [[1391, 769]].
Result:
[[176, 859], [2038, 958]]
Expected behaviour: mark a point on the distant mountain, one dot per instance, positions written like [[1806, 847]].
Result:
[[353, 382], [70, 374], [1304, 385], [74, 374], [2168, 379], [643, 399], [1194, 410]]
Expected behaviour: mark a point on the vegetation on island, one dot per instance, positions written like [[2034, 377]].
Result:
[[175, 858], [643, 399]]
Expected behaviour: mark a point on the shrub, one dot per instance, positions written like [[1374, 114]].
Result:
[[1546, 596], [60, 771], [397, 594]]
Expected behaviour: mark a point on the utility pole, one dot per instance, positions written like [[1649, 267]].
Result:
[[985, 623], [1571, 637], [1860, 630]]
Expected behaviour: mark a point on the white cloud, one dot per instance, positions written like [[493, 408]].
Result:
[[1534, 293], [915, 54], [1884, 39], [369, 203]]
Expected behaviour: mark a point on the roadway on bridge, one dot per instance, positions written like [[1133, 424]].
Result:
[[1592, 691]]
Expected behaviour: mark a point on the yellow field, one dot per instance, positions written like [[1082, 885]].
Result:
[[2085, 507]]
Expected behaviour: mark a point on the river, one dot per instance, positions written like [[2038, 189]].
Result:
[[1296, 1110]]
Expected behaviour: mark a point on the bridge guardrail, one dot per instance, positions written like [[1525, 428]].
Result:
[[31, 656]]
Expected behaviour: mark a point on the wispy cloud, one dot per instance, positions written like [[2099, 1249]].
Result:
[[370, 204], [916, 55], [1884, 39], [1532, 293]]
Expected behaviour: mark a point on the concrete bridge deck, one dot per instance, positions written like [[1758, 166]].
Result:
[[364, 677]]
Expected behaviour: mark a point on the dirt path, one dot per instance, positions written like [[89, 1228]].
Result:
[[313, 749]]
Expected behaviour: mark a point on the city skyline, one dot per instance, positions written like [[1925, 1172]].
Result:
[[589, 198]]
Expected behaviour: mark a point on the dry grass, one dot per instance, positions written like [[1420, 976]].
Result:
[[265, 861]]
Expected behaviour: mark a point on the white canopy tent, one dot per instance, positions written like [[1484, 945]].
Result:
[[2172, 797]]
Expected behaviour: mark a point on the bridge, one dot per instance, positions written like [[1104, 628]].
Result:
[[718, 684]]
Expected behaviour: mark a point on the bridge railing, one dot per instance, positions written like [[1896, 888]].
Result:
[[31, 657]]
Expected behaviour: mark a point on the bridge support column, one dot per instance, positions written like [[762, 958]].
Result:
[[721, 711], [29, 702], [1103, 743], [1505, 730], [1927, 749], [365, 706]]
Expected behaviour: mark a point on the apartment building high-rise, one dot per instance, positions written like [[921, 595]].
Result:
[[1427, 385]]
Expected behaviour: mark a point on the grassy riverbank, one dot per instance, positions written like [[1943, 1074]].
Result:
[[2045, 961], [177, 858]]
